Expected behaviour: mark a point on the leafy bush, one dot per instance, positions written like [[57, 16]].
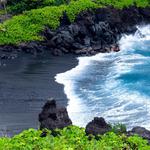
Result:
[[26, 27], [123, 3], [71, 138], [76, 7], [18, 6], [119, 128]]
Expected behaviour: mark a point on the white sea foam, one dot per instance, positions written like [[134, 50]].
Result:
[[111, 99]]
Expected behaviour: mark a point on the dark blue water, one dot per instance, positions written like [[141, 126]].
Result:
[[115, 85]]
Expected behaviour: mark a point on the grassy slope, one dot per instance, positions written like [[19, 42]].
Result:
[[72, 138], [27, 26]]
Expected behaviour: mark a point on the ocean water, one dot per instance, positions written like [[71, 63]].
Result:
[[115, 86]]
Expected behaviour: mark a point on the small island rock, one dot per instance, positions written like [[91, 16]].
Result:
[[53, 117]]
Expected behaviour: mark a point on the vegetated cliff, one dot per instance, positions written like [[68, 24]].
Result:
[[82, 27]]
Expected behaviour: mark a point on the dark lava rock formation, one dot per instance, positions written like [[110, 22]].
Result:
[[53, 117], [91, 33], [97, 126], [142, 132]]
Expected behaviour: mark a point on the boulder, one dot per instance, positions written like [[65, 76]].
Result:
[[84, 51], [98, 126], [57, 52], [48, 34], [74, 29], [53, 117], [146, 13], [8, 56], [142, 132], [115, 48]]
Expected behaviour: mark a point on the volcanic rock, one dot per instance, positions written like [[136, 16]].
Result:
[[140, 131], [53, 117], [97, 126]]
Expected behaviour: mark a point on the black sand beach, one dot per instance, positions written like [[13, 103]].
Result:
[[25, 85]]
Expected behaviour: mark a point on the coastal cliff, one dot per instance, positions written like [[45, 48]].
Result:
[[91, 32]]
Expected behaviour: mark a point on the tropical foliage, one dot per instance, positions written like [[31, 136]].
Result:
[[71, 138], [28, 26], [18, 6]]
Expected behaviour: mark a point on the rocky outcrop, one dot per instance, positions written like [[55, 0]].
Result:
[[53, 117], [140, 131], [91, 33], [98, 126], [94, 32]]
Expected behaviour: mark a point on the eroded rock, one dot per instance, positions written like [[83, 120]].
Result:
[[53, 117], [97, 126], [140, 131]]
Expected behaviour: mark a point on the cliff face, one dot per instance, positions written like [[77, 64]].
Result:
[[91, 33]]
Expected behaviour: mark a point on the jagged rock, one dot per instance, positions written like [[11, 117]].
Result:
[[77, 46], [53, 117], [87, 41], [142, 132], [57, 52], [145, 12], [115, 48], [97, 48], [8, 56], [67, 38], [64, 50], [84, 51], [65, 20], [48, 33], [97, 126], [74, 29], [57, 39]]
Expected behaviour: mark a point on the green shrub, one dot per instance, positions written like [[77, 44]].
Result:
[[26, 27], [119, 128], [137, 143], [123, 3], [71, 138], [2, 12], [16, 6], [76, 7], [143, 3]]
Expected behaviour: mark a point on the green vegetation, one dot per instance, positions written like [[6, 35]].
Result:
[[123, 3], [71, 138], [119, 128], [2, 12], [28, 26], [16, 6]]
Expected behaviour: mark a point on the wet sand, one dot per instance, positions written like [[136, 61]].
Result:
[[25, 85]]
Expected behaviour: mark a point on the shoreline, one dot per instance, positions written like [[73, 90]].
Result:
[[88, 35], [20, 105]]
